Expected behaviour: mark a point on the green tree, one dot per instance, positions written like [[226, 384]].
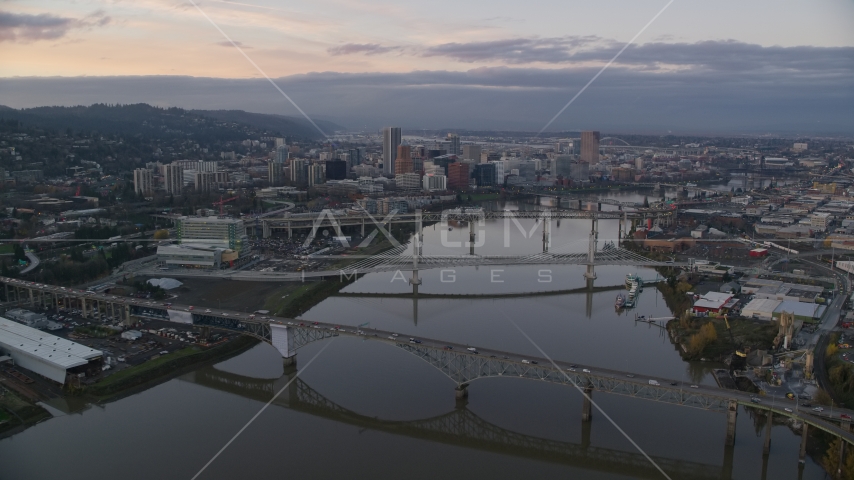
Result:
[[20, 254]]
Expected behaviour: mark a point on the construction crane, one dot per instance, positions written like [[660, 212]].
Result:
[[222, 202]]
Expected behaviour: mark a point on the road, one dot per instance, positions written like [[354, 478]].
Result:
[[34, 262]]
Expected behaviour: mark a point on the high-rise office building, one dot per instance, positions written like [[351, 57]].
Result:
[[207, 166], [454, 144], [472, 152], [298, 170], [357, 156], [458, 176], [213, 232], [562, 166], [434, 182], [281, 154], [142, 181], [590, 147], [409, 182], [484, 174], [173, 178], [336, 170], [205, 181], [499, 172], [404, 163], [391, 140], [274, 173], [317, 174]]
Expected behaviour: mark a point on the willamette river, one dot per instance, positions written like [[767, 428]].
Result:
[[363, 409]]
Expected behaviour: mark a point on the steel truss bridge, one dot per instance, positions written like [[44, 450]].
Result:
[[459, 427], [456, 361], [331, 219], [463, 367], [399, 259]]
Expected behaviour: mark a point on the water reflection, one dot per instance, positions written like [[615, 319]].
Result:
[[459, 427]]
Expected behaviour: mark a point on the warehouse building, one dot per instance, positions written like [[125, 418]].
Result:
[[45, 354], [761, 308], [806, 312]]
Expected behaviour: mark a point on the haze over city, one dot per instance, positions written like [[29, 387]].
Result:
[[251, 239]]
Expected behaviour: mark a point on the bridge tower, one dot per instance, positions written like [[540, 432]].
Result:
[[417, 238], [547, 230], [590, 275], [472, 236]]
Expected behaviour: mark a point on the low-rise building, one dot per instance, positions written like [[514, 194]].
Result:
[[131, 335], [192, 256], [714, 303], [28, 318]]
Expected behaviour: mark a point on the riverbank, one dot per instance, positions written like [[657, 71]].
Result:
[[17, 413], [166, 367]]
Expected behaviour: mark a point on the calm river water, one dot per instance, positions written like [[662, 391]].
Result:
[[366, 410]]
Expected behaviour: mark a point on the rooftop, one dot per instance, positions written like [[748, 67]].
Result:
[[50, 348]]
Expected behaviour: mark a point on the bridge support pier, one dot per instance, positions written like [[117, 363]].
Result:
[[727, 467], [461, 394], [586, 429], [766, 446], [586, 405], [472, 237], [847, 427], [802, 454], [731, 415], [764, 474], [290, 361]]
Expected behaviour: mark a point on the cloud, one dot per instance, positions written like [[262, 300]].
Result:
[[226, 43], [25, 28], [582, 51], [361, 48], [516, 50]]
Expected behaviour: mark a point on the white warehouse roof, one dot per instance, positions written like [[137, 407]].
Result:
[[48, 348]]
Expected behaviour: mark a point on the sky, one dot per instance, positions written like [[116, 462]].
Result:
[[699, 67]]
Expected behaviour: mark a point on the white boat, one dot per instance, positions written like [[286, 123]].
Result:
[[621, 301]]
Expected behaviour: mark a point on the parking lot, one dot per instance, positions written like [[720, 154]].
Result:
[[104, 333]]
